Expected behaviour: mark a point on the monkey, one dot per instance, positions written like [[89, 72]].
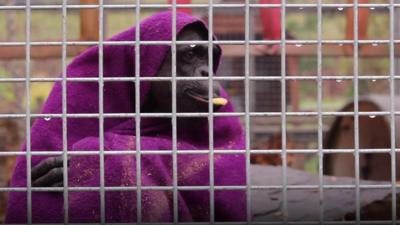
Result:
[[156, 130], [191, 95], [192, 61]]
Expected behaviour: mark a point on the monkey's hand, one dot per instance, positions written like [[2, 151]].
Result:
[[48, 173]]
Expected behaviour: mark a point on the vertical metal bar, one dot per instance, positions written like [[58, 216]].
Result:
[[356, 112], [101, 111], [64, 109], [137, 117], [28, 109], [247, 109], [397, 35], [210, 109], [174, 125], [252, 72], [319, 106], [392, 109], [283, 110]]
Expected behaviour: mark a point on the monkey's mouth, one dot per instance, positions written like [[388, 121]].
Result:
[[198, 97], [216, 100]]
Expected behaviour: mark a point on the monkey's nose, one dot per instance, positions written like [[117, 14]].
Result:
[[203, 71]]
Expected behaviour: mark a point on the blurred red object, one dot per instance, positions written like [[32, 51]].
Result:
[[185, 10], [271, 20]]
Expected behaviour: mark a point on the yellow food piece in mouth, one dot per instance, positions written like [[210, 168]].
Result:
[[220, 101]]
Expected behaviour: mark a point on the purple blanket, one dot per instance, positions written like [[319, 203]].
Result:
[[120, 170]]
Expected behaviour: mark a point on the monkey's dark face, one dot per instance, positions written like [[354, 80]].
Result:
[[191, 61]]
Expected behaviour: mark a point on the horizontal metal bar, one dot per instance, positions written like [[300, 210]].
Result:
[[372, 114], [215, 5], [327, 222], [244, 223], [230, 49], [219, 42], [197, 188], [216, 78], [150, 223], [118, 152], [95, 152], [120, 188]]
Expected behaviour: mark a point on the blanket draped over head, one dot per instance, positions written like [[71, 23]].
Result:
[[119, 134]]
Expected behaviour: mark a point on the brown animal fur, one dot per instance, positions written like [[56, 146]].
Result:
[[373, 133], [9, 140], [274, 143]]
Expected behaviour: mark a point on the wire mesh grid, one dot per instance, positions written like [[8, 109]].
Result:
[[247, 77]]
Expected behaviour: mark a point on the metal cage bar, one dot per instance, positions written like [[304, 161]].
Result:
[[356, 114], [174, 118], [101, 112], [299, 42], [341, 6], [247, 111], [137, 117], [206, 187], [203, 151], [283, 109], [392, 114], [28, 110], [319, 109], [371, 114], [210, 109], [64, 112], [244, 223], [338, 79]]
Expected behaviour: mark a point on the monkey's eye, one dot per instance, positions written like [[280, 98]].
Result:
[[189, 55]]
